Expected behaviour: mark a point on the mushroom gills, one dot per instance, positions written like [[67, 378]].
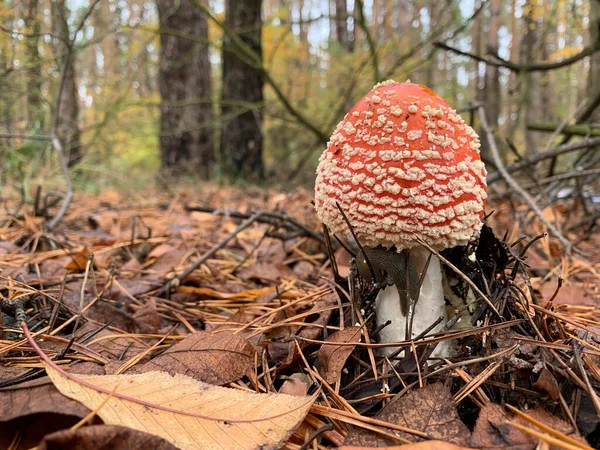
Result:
[[398, 267], [429, 307]]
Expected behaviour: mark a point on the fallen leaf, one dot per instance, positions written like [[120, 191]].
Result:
[[205, 416], [427, 445], [333, 357], [493, 428], [36, 397], [295, 385], [103, 437], [429, 409], [147, 317], [212, 358], [547, 384]]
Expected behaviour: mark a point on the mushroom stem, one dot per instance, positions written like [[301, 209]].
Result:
[[428, 309]]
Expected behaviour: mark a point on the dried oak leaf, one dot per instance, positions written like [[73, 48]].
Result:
[[103, 437], [35, 397], [190, 414], [213, 358], [430, 410], [333, 357], [425, 445], [493, 430]]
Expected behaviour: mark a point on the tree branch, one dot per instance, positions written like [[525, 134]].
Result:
[[496, 61], [515, 186]]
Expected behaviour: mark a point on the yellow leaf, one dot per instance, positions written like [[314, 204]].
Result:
[[188, 413]]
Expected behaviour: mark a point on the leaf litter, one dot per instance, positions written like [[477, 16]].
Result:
[[143, 307]]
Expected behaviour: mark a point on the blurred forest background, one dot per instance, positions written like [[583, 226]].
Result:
[[251, 89]]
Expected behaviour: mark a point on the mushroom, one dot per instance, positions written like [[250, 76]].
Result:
[[404, 167]]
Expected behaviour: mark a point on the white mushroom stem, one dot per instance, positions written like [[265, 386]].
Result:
[[430, 306]]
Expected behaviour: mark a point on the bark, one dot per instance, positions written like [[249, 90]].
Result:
[[242, 97], [186, 114], [31, 20], [68, 111]]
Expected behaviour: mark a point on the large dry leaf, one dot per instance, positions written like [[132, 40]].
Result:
[[212, 358], [427, 445], [430, 410], [37, 397], [103, 437], [188, 413], [333, 357]]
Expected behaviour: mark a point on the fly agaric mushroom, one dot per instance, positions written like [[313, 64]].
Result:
[[404, 167]]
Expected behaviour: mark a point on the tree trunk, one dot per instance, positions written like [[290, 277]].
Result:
[[341, 15], [31, 20], [68, 112], [530, 94], [492, 74], [104, 19], [593, 84], [186, 114], [242, 98], [477, 48]]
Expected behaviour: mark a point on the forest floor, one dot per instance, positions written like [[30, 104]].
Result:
[[215, 320]]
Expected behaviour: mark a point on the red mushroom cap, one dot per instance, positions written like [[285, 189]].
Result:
[[402, 165]]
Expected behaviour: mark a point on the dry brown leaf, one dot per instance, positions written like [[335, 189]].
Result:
[[189, 414], [333, 357], [36, 397], [78, 261], [427, 445], [103, 437], [547, 384], [493, 429], [430, 410], [212, 358], [147, 317]]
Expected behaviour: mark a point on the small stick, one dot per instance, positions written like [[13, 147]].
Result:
[[214, 249]]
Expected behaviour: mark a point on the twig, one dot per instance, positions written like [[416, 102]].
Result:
[[515, 186], [275, 219], [173, 282], [58, 148]]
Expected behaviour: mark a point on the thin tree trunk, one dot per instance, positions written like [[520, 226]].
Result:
[[68, 112], [186, 119], [242, 97], [530, 94], [31, 20], [341, 15], [492, 74], [593, 84]]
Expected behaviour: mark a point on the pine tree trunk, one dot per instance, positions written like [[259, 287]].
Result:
[[186, 114], [530, 94], [68, 112], [341, 15], [593, 85], [35, 114], [242, 97]]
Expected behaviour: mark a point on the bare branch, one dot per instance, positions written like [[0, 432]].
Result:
[[515, 186], [496, 61], [534, 159]]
